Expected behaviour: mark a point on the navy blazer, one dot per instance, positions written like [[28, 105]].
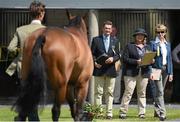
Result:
[[158, 59], [130, 57], [98, 48]]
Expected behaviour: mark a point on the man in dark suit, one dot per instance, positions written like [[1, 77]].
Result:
[[176, 83], [104, 71]]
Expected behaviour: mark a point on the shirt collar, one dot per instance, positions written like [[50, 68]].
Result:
[[35, 21], [158, 41], [108, 37]]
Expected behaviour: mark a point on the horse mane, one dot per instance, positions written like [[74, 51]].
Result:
[[76, 21]]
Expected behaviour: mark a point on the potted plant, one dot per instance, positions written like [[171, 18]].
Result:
[[93, 111]]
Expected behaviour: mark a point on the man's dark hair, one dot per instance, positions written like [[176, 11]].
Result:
[[107, 23], [36, 8]]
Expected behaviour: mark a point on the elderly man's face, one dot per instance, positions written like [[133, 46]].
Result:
[[107, 29]]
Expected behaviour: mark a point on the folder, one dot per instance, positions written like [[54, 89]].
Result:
[[102, 58], [156, 73], [147, 58]]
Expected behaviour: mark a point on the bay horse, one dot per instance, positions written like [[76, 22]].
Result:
[[61, 57]]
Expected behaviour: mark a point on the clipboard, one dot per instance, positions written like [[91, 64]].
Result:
[[147, 58], [102, 58]]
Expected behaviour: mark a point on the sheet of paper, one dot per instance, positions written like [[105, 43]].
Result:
[[148, 58], [156, 73]]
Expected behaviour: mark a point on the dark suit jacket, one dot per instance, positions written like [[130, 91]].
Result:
[[98, 49], [130, 57]]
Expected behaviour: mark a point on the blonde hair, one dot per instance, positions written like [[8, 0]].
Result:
[[161, 27]]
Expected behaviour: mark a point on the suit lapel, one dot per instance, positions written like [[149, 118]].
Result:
[[102, 43]]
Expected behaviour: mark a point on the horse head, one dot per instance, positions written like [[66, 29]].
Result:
[[77, 22]]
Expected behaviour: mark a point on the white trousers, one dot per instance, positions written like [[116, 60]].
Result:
[[130, 84], [104, 85]]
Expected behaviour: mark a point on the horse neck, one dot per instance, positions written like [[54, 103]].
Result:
[[79, 32], [83, 28]]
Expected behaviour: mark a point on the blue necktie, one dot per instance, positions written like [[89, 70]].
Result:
[[106, 43]]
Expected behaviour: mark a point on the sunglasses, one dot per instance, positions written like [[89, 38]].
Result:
[[160, 32]]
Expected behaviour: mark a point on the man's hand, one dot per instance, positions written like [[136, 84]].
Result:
[[109, 60], [153, 61], [139, 61], [170, 78], [178, 62], [151, 77], [97, 65]]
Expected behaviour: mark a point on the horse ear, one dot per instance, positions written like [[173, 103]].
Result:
[[69, 15]]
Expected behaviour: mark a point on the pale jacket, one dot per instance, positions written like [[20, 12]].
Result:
[[18, 42]]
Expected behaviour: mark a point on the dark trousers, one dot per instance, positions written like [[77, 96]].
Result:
[[176, 86]]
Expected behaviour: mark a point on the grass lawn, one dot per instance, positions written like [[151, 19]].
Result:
[[172, 114]]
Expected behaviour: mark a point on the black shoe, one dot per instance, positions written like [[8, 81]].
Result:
[[109, 117], [19, 118], [122, 116], [142, 116], [162, 118], [116, 102], [16, 118]]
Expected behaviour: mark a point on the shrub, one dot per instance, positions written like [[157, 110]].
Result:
[[94, 111]]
